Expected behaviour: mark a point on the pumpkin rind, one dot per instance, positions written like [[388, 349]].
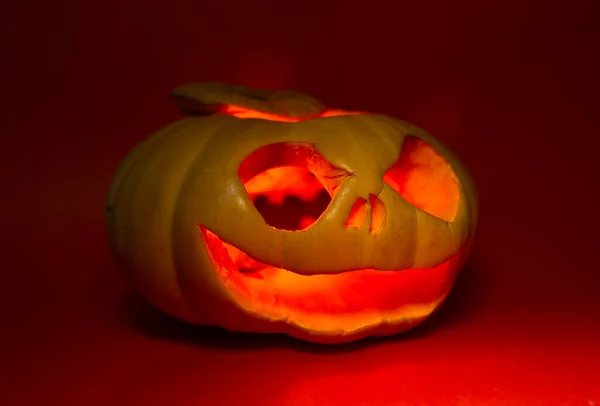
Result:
[[183, 180]]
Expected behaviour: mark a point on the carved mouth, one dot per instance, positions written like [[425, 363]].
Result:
[[355, 297]]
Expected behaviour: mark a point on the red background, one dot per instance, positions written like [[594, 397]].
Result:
[[512, 86]]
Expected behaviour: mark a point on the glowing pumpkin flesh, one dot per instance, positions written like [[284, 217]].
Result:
[[269, 213]]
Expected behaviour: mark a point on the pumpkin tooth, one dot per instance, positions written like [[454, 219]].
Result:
[[358, 214], [378, 214]]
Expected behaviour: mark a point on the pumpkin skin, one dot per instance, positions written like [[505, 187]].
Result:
[[379, 260]]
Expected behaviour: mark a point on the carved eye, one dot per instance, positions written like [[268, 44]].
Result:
[[290, 184], [425, 180]]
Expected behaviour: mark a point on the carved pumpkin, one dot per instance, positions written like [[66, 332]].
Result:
[[265, 212]]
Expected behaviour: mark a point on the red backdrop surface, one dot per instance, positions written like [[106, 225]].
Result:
[[512, 86]]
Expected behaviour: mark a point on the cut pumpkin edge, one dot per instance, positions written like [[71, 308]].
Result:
[[323, 327]]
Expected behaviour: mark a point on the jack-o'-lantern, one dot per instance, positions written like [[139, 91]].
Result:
[[263, 211]]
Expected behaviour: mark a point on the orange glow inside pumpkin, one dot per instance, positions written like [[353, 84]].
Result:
[[242, 112], [291, 185]]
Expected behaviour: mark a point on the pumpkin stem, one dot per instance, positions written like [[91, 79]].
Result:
[[210, 97]]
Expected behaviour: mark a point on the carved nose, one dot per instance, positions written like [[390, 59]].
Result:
[[372, 210]]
